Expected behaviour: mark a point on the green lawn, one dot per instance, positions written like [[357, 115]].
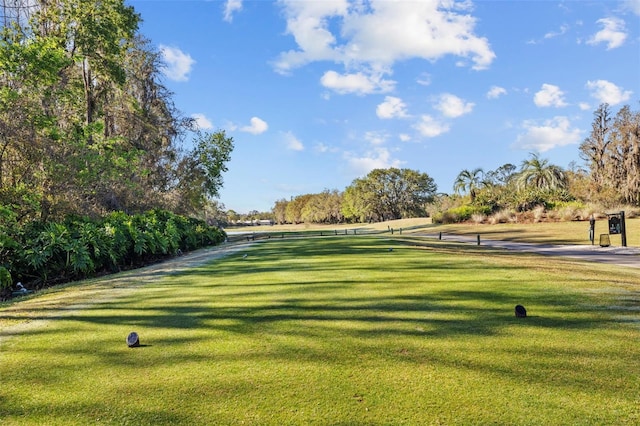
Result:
[[335, 331]]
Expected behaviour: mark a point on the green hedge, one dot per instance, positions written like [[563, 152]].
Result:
[[44, 253]]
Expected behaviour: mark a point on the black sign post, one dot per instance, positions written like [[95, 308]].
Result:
[[623, 229], [617, 226]]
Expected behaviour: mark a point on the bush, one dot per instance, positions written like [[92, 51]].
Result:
[[5, 283], [478, 218], [460, 214], [43, 253], [502, 216]]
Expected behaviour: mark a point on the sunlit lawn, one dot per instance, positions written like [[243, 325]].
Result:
[[339, 330], [571, 232], [562, 232]]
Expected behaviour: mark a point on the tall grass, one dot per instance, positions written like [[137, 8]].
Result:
[[338, 331]]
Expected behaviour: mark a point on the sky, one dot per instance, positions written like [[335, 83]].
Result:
[[317, 93]]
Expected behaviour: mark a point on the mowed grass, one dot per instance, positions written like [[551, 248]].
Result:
[[573, 232], [562, 232], [342, 331]]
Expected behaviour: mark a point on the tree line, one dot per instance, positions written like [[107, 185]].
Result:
[[610, 176], [383, 194]]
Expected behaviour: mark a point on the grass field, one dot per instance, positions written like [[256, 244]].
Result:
[[563, 232], [333, 331]]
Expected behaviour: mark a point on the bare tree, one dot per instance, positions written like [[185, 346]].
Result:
[[594, 148]]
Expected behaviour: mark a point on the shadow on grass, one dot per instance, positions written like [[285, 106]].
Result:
[[350, 304], [242, 295]]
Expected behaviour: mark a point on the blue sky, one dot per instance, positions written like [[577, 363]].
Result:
[[318, 93]]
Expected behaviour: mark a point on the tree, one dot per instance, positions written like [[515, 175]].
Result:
[[295, 208], [469, 181], [200, 171], [594, 148], [97, 35], [357, 202], [85, 125], [538, 173], [279, 211], [623, 159], [386, 194], [323, 208], [612, 155], [500, 176]]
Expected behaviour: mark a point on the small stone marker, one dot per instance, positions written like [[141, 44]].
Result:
[[521, 312], [133, 340]]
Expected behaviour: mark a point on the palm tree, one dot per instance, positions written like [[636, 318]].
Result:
[[469, 181], [539, 173]]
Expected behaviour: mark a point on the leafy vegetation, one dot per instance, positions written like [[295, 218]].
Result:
[[5, 282], [384, 194], [44, 253], [86, 126]]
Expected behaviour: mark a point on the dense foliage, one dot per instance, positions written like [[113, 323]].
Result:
[[41, 253], [384, 194], [86, 125]]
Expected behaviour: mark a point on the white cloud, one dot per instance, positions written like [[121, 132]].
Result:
[[613, 33], [551, 34], [323, 148], [202, 121], [376, 138], [606, 92], [404, 137], [256, 127], [584, 106], [549, 96], [633, 6], [369, 37], [292, 142], [452, 106], [379, 158], [547, 135], [392, 107], [495, 92], [424, 79], [430, 128], [358, 83], [177, 64], [230, 7]]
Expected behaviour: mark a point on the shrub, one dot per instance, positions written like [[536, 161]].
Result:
[[502, 216], [460, 214], [42, 253], [539, 213], [5, 283], [478, 218]]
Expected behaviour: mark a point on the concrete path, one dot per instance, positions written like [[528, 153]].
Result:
[[622, 256]]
